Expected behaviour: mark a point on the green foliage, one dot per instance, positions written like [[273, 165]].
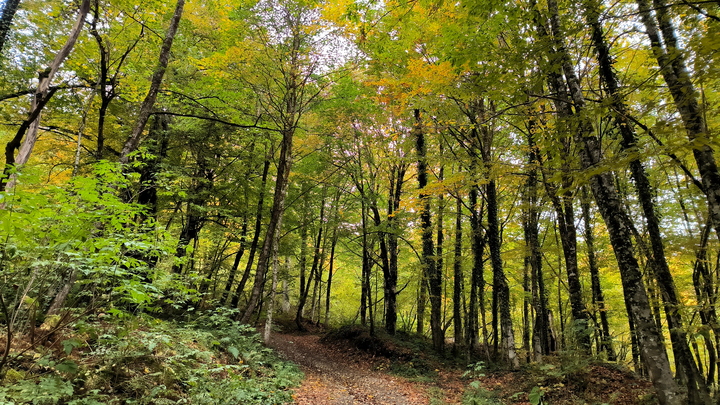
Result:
[[476, 394], [45, 391], [82, 228], [475, 370], [211, 360], [535, 396]]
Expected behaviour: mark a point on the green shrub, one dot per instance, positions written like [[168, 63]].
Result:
[[141, 360]]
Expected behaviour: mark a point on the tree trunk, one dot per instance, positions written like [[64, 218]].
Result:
[[706, 295], [234, 302], [458, 277], [477, 284], [616, 220], [133, 141], [273, 230], [331, 271], [598, 298], [364, 287], [439, 242], [697, 388], [59, 301], [500, 283], [227, 291], [542, 335], [273, 295], [199, 194], [43, 94], [391, 275], [675, 73], [8, 14], [429, 262], [305, 290]]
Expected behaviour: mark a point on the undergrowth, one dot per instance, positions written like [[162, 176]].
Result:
[[564, 378], [141, 360], [405, 355]]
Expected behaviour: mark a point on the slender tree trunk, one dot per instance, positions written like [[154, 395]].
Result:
[[697, 388], [458, 277], [273, 230], [331, 271], [106, 95], [20, 142], [8, 14], [364, 288], [227, 291], [318, 271], [477, 284], [421, 302], [429, 262], [391, 275], [234, 302], [542, 334], [440, 240], [273, 293], [565, 215], [500, 283], [370, 300], [59, 301], [473, 328], [133, 141], [598, 298], [675, 73], [312, 277], [147, 196], [705, 291], [616, 220], [204, 179]]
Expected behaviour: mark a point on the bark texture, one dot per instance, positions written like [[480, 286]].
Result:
[[687, 367], [25, 144], [8, 14], [609, 203], [429, 262], [133, 141], [671, 60]]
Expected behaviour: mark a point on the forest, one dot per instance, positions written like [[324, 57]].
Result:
[[514, 180]]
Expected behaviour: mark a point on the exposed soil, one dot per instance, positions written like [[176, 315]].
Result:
[[337, 375]]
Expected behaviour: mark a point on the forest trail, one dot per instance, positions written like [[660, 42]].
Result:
[[343, 376]]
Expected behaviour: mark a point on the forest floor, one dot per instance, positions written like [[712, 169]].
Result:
[[347, 366], [337, 374]]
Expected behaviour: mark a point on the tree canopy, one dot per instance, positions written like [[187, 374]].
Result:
[[513, 180]]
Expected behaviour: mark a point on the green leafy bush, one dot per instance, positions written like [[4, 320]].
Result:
[[142, 360]]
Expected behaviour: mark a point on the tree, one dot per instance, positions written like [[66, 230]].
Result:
[[26, 136], [8, 14], [146, 107], [611, 209], [286, 95], [697, 390], [431, 273]]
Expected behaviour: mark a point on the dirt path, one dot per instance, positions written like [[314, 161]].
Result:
[[335, 376]]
